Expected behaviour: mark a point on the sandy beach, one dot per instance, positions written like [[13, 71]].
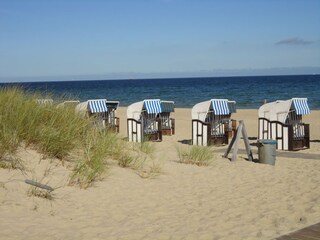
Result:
[[226, 200]]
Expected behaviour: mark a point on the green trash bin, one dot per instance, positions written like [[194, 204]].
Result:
[[267, 151]]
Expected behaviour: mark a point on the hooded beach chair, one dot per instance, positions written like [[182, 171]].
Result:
[[143, 121], [103, 112], [282, 121], [212, 123]]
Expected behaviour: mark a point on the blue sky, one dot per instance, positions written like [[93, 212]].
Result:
[[74, 39]]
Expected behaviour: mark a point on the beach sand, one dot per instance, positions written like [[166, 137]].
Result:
[[226, 200]]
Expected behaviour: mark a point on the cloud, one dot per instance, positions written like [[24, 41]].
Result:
[[294, 41]]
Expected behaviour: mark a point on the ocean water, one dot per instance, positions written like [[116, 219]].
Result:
[[248, 92]]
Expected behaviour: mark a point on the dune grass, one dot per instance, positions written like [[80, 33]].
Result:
[[198, 155], [97, 147], [54, 131], [59, 132]]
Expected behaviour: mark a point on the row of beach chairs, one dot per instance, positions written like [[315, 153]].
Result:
[[150, 119]]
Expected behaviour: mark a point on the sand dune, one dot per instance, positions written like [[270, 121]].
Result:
[[226, 200]]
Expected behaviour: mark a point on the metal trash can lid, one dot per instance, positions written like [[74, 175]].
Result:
[[267, 141]]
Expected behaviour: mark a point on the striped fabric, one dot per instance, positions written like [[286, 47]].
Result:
[[45, 101], [220, 106], [152, 106], [167, 106], [301, 106], [98, 105]]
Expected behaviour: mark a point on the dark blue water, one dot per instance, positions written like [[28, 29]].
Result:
[[248, 92]]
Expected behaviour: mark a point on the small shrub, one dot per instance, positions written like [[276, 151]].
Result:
[[198, 155]]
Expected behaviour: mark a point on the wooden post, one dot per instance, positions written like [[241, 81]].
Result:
[[246, 141], [236, 146], [235, 141]]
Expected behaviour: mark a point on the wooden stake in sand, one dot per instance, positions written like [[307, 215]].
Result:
[[235, 141], [39, 185]]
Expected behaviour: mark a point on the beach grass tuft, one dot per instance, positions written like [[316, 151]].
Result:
[[198, 155], [97, 146]]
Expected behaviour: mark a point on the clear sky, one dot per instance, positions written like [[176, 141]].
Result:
[[69, 39]]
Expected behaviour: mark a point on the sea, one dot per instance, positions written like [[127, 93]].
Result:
[[249, 92]]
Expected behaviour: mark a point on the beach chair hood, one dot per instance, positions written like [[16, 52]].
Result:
[[97, 105], [134, 110], [93, 106], [112, 104], [152, 106], [218, 106], [279, 110], [167, 106]]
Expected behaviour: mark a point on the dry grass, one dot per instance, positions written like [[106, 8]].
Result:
[[198, 155], [152, 170], [41, 193], [11, 162]]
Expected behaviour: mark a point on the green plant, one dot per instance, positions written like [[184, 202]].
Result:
[[96, 146], [55, 131], [198, 155], [132, 160]]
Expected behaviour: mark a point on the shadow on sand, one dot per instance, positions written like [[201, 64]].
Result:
[[186, 141]]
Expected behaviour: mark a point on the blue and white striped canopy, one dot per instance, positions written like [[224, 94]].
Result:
[[98, 105], [152, 106], [301, 106], [220, 106]]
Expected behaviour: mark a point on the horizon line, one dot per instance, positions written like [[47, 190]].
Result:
[[154, 78]]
